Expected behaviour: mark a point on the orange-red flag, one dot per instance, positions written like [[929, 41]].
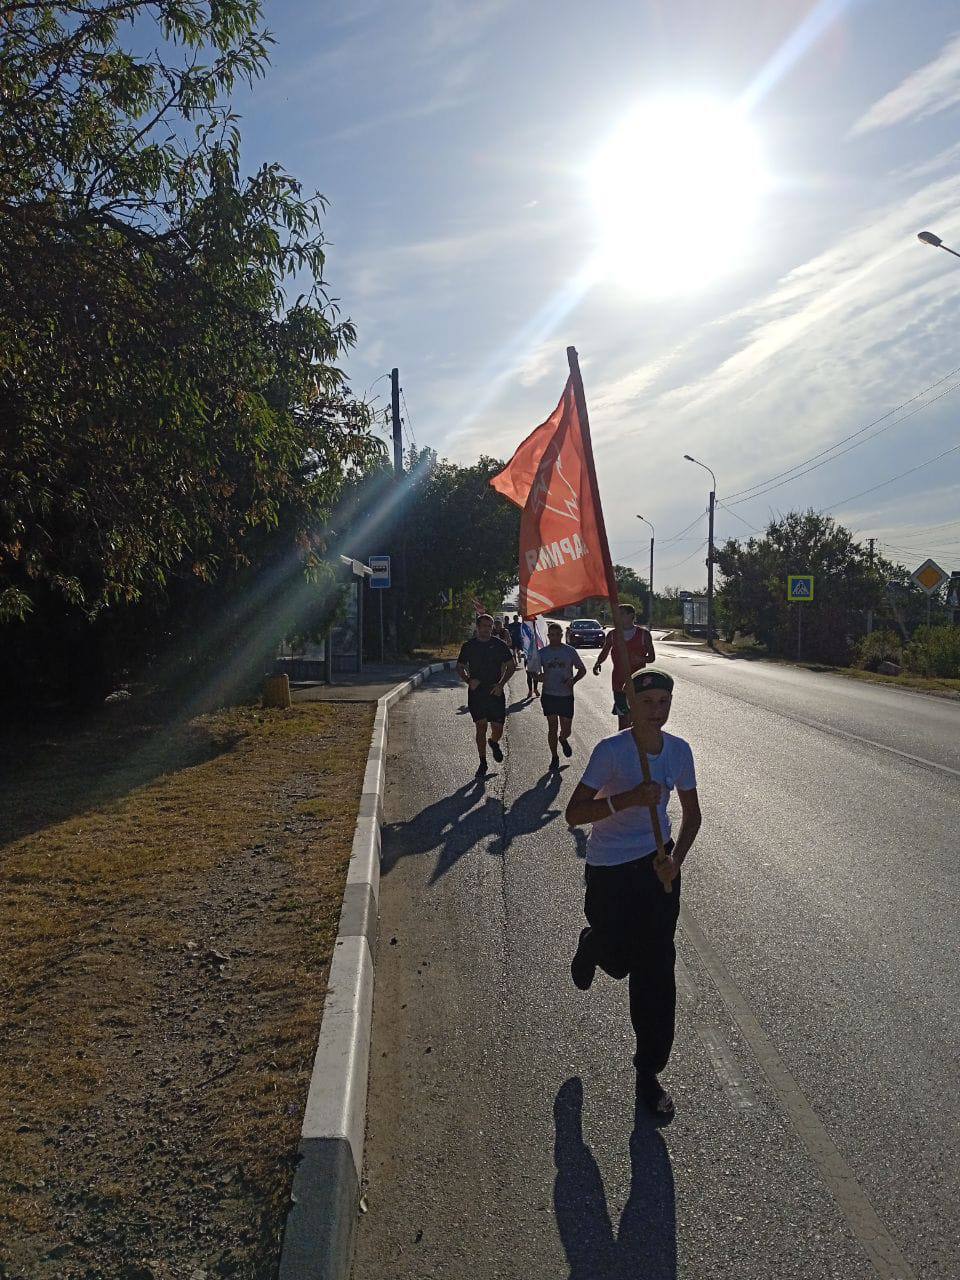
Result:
[[561, 559]]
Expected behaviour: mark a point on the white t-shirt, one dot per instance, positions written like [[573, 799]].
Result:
[[614, 767], [558, 663]]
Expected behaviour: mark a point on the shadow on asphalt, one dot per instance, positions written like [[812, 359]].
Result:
[[449, 828], [645, 1245], [465, 819]]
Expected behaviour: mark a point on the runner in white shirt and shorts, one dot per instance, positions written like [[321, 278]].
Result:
[[561, 667]]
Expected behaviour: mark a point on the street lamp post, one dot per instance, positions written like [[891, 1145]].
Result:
[[927, 237], [713, 500], [650, 585]]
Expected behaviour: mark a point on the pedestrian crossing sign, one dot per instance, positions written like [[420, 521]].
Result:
[[800, 587]]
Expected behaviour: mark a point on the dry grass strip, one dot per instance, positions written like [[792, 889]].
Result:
[[170, 901]]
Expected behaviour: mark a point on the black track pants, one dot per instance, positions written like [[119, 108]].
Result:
[[632, 925]]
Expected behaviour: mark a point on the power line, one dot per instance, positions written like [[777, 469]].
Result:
[[665, 542], [909, 533], [413, 441], [883, 483], [678, 563], [736, 516], [802, 468]]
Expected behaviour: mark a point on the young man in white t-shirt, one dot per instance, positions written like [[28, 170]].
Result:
[[561, 667], [632, 921]]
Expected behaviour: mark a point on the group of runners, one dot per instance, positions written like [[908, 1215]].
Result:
[[632, 898], [489, 658]]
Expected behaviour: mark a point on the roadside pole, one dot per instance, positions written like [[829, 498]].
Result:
[[799, 593], [380, 581], [713, 500], [871, 541], [650, 589], [400, 580]]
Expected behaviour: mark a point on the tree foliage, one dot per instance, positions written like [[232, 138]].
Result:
[[166, 418], [444, 528], [753, 594], [462, 535]]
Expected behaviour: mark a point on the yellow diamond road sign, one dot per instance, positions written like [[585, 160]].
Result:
[[929, 576]]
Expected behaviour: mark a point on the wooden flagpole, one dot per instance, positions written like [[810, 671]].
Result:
[[613, 595]]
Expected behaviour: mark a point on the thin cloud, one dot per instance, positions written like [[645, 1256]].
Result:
[[927, 91], [863, 277]]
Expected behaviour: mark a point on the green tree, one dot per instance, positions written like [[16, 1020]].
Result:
[[752, 595], [461, 534], [444, 527], [167, 420]]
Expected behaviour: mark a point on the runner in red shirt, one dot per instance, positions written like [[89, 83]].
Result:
[[640, 651]]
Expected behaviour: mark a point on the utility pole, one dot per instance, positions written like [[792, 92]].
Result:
[[871, 541], [395, 414], [400, 579], [650, 591], [650, 586], [713, 500]]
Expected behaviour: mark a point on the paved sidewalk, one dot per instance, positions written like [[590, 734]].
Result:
[[370, 685]]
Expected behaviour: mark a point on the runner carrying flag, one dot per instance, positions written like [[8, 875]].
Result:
[[486, 664], [633, 883]]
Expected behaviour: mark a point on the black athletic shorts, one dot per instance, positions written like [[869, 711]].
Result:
[[487, 706], [557, 705]]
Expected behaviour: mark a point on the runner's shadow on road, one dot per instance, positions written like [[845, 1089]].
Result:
[[645, 1246], [450, 828], [532, 810]]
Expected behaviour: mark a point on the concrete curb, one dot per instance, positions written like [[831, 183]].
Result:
[[319, 1235]]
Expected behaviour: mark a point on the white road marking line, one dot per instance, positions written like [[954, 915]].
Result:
[[686, 989], [719, 1051], [727, 1068]]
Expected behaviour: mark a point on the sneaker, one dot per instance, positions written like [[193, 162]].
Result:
[[582, 968], [497, 752], [655, 1098], [481, 769], [565, 747]]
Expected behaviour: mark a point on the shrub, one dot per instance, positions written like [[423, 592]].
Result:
[[879, 646], [934, 651]]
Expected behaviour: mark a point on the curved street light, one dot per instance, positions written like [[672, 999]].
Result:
[[713, 500], [927, 237], [653, 534]]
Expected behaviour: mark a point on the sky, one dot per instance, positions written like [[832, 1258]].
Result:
[[716, 201]]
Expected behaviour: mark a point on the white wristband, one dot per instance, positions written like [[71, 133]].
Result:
[[610, 804]]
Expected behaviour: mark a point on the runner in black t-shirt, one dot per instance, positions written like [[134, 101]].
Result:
[[486, 664]]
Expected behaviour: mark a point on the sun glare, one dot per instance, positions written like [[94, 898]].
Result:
[[676, 188]]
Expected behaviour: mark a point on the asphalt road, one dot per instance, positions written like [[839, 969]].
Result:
[[815, 1068]]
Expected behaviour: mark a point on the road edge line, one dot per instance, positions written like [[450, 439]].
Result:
[[320, 1228]]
